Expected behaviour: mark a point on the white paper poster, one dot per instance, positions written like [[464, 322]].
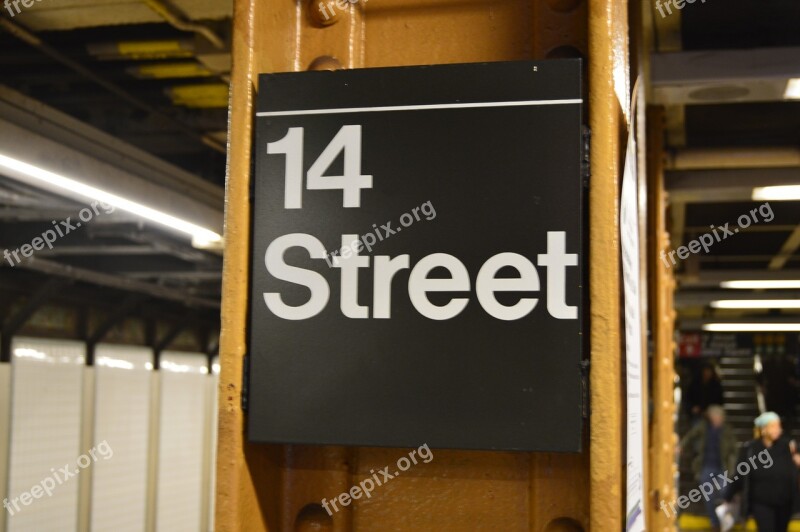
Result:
[[629, 240]]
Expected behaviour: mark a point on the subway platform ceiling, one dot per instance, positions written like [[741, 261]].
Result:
[[722, 70], [128, 97]]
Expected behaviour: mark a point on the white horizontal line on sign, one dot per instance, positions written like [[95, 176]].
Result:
[[418, 107]]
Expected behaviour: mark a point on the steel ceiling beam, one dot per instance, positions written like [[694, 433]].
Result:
[[119, 313], [734, 157], [787, 251], [33, 40], [170, 336], [180, 275], [13, 323], [114, 281], [723, 76], [163, 244], [698, 186], [100, 249], [43, 137]]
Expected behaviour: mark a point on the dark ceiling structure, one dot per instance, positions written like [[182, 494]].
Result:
[[149, 84], [721, 70], [131, 97]]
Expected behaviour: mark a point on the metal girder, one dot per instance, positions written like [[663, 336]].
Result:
[[170, 336], [39, 135], [114, 281], [722, 76], [188, 275], [76, 14], [787, 251], [113, 264], [729, 184], [100, 250], [119, 313], [29, 38], [13, 323], [156, 241], [212, 349], [733, 157], [40, 214], [20, 199]]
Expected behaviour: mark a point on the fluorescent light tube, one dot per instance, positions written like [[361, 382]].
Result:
[[756, 303], [761, 284], [199, 234], [778, 193], [751, 327], [792, 91]]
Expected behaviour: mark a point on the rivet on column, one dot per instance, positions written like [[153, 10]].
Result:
[[323, 13], [325, 62]]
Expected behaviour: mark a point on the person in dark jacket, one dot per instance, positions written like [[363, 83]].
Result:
[[766, 474], [704, 390], [713, 449]]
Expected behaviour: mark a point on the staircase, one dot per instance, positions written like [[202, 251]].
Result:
[[739, 388]]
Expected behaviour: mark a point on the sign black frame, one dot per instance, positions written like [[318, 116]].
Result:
[[306, 384]]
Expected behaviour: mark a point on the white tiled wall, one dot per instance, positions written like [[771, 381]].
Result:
[[213, 417], [122, 414], [58, 413], [5, 429], [181, 442], [45, 431]]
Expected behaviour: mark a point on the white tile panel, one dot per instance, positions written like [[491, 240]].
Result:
[[182, 436], [122, 418], [214, 420], [47, 380]]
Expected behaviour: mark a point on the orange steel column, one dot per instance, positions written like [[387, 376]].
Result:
[[280, 487], [608, 94], [662, 283]]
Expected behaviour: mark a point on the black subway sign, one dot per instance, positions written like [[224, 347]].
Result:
[[417, 258]]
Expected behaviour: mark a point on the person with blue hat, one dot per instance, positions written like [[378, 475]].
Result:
[[766, 475]]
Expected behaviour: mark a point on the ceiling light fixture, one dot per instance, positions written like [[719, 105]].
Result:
[[200, 235], [792, 91], [756, 303], [777, 193], [761, 284], [751, 327]]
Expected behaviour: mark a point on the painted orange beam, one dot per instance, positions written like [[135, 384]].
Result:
[[279, 487], [609, 75], [662, 284]]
